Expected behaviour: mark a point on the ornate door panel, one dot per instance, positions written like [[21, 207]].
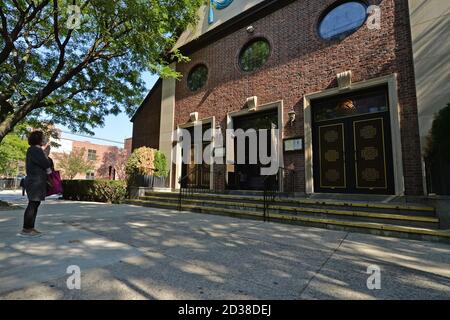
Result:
[[353, 156], [352, 149], [332, 156], [370, 154]]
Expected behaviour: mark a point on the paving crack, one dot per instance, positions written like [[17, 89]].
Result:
[[323, 264]]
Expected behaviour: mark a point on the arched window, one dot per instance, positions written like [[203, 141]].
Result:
[[197, 77], [341, 20], [254, 54]]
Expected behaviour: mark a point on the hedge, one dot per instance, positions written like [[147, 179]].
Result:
[[111, 191]]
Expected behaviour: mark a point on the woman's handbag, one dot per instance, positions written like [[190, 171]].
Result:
[[54, 185]]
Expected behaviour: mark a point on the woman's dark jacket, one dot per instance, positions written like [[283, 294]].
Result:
[[36, 180]]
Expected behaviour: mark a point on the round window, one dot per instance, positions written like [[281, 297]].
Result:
[[254, 55], [197, 77], [342, 20]]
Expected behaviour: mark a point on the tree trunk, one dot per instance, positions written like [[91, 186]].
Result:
[[10, 121], [6, 127]]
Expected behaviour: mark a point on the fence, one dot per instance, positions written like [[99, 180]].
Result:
[[10, 184]]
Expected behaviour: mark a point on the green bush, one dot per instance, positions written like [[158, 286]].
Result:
[[438, 144], [111, 191], [160, 165]]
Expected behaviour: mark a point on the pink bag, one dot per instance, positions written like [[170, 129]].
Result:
[[54, 183]]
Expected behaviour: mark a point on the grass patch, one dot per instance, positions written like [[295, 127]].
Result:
[[7, 206], [4, 204]]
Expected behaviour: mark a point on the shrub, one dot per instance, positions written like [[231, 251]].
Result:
[[438, 143], [160, 165], [141, 162], [144, 166], [111, 191]]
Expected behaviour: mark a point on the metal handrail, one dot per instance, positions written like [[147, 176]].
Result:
[[271, 191], [188, 190], [180, 181]]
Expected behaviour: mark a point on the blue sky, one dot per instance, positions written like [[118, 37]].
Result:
[[117, 128]]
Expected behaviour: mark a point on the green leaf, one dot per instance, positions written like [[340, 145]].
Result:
[[130, 37]]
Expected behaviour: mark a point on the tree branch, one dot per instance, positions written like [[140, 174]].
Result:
[[22, 21], [70, 96], [18, 7], [55, 24]]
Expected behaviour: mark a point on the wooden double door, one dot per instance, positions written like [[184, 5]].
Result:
[[352, 150], [353, 154]]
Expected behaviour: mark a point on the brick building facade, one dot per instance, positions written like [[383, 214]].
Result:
[[106, 159], [147, 119], [302, 68]]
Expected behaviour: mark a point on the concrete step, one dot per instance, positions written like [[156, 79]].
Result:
[[389, 208], [381, 229], [289, 209]]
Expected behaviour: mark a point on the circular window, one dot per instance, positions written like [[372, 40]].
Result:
[[254, 55], [342, 20], [197, 77]]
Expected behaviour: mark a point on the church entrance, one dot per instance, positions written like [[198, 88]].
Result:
[[352, 151], [247, 175]]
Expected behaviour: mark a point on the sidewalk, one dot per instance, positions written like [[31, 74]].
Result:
[[128, 252]]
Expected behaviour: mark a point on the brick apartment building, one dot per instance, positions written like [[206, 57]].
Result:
[[104, 158], [342, 94]]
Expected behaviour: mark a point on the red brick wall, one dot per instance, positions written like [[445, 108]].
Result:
[[101, 157], [147, 121], [302, 63]]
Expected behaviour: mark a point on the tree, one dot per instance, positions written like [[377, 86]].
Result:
[[115, 159], [13, 150], [74, 163], [74, 62]]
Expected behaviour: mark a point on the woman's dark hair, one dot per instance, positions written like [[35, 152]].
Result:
[[36, 138]]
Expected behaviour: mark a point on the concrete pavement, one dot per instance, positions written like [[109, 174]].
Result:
[[128, 252]]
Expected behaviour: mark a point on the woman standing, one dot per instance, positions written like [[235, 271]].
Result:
[[38, 167]]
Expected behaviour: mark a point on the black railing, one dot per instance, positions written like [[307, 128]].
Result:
[[10, 183], [188, 189], [270, 190], [284, 180], [276, 185]]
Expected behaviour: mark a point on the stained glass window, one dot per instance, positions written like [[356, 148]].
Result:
[[197, 77], [254, 55]]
